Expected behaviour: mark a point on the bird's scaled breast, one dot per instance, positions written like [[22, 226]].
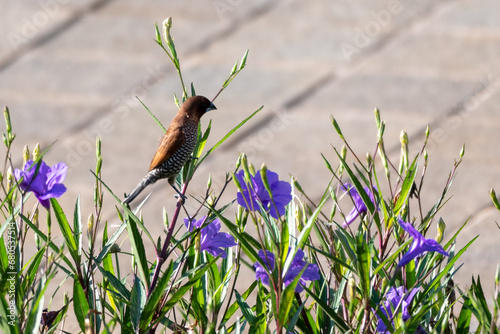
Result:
[[174, 164]]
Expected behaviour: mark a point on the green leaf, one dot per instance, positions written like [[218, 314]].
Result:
[[304, 234], [152, 115], [363, 264], [260, 324], [35, 308], [120, 290], [287, 298], [51, 245], [138, 249], [137, 302], [248, 243], [80, 304], [245, 309], [77, 226], [446, 270], [109, 243], [327, 163], [126, 209], [68, 234], [193, 91], [185, 287], [202, 141], [339, 322], [155, 297], [33, 269], [464, 318], [406, 187]]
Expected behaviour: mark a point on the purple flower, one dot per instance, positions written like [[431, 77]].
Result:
[[311, 273], [44, 181], [255, 192], [359, 205], [396, 298], [212, 240], [419, 245]]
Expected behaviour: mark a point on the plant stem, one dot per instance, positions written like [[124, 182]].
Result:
[[163, 255]]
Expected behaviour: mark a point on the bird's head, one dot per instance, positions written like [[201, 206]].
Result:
[[197, 106]]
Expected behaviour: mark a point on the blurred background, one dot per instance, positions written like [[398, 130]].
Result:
[[71, 71]]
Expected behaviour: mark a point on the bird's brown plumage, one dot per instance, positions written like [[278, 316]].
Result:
[[177, 144]]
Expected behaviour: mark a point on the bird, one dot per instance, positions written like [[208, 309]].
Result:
[[176, 146]]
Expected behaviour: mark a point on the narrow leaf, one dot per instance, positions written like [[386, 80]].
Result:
[[138, 249], [80, 304], [68, 234]]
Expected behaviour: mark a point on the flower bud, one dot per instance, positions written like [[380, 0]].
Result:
[[167, 24], [462, 151], [26, 154], [6, 115], [36, 152], [263, 174], [35, 217], [369, 159], [441, 230], [494, 198], [337, 127], [377, 117], [351, 283], [403, 167], [237, 182], [497, 276], [98, 155], [297, 185], [246, 167], [8, 137], [404, 138], [10, 179], [209, 182], [343, 152], [90, 226], [299, 216], [238, 162], [381, 130], [263, 168]]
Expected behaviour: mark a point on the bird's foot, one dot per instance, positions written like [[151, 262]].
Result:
[[181, 197]]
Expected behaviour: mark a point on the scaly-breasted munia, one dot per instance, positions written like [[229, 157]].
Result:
[[176, 146]]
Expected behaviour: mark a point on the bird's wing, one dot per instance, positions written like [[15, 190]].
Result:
[[171, 142]]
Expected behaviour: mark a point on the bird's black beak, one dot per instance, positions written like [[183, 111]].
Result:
[[211, 107]]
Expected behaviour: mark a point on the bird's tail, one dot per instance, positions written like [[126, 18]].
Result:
[[137, 190]]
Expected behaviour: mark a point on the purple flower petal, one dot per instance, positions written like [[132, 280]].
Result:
[[419, 246], [359, 205], [43, 181], [56, 174], [255, 192], [395, 299], [211, 240], [311, 273]]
